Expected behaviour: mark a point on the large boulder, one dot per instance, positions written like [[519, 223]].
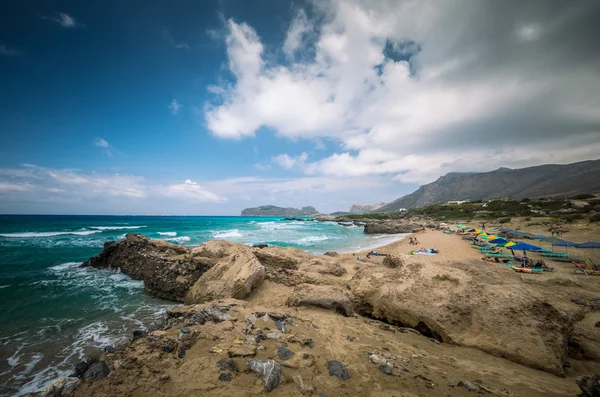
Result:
[[234, 276], [61, 387], [327, 296], [168, 270], [468, 304]]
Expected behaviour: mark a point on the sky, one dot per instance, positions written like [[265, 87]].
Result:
[[209, 107]]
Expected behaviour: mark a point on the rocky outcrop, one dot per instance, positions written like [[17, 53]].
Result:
[[390, 227], [357, 208], [326, 296], [61, 387], [168, 270], [233, 276], [272, 210]]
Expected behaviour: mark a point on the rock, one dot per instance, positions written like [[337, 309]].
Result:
[[390, 227], [283, 353], [385, 368], [227, 364], [597, 325], [273, 335], [216, 314], [225, 377], [327, 296], [181, 352], [266, 318], [331, 253], [139, 333], [80, 369], [234, 276], [164, 378], [260, 245], [109, 349], [393, 261], [304, 388], [185, 330], [269, 370], [589, 385], [338, 370], [169, 345], [280, 326], [60, 387], [96, 370], [375, 359], [168, 270], [334, 269], [467, 385]]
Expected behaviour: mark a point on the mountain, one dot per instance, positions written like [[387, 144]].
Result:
[[358, 208], [538, 181], [271, 210]]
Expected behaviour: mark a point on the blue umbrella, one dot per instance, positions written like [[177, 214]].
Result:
[[566, 244], [525, 247], [589, 244], [498, 241], [539, 237]]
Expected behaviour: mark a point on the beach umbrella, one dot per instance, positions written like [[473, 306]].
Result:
[[525, 247], [538, 237], [509, 244], [498, 241], [566, 244], [505, 229], [551, 240], [589, 244], [471, 230]]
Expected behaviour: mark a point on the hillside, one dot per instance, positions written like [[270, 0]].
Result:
[[272, 210], [543, 180], [358, 208]]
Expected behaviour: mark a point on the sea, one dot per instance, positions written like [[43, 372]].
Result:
[[54, 314]]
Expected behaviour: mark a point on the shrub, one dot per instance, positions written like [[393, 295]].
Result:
[[528, 218], [525, 200], [595, 218], [583, 196], [503, 220]]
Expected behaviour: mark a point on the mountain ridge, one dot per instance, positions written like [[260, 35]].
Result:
[[537, 181], [273, 210]]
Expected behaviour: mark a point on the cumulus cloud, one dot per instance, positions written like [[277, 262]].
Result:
[[101, 142], [174, 107], [106, 147], [288, 162], [414, 89], [190, 190], [65, 20]]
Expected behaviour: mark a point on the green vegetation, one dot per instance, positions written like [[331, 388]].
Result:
[[595, 218], [503, 220], [583, 197]]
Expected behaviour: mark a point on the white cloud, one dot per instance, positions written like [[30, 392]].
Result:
[[101, 142], [299, 28], [174, 107], [168, 38], [288, 162], [409, 87], [65, 20], [262, 167], [9, 52], [190, 190]]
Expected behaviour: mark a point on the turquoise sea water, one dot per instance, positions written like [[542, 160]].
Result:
[[52, 313]]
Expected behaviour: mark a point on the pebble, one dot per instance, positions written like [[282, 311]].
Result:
[[315, 326], [138, 333], [597, 325], [467, 385], [338, 370], [270, 371], [181, 352], [280, 326], [375, 359], [386, 368], [97, 370], [110, 349], [273, 335], [266, 317], [185, 330], [169, 346], [225, 377], [164, 378], [283, 353], [227, 364]]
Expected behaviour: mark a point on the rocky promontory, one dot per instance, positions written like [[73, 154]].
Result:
[[283, 321], [272, 210]]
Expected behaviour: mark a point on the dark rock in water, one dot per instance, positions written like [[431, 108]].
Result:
[[338, 370], [280, 326], [385, 368], [260, 245], [270, 371], [185, 330], [181, 352], [225, 377], [227, 364], [109, 349], [589, 385], [138, 333], [283, 353], [80, 369], [96, 370], [169, 345], [331, 253]]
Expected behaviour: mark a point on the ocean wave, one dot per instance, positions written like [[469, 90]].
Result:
[[228, 234], [116, 227], [180, 239], [64, 266], [168, 234], [4, 286], [49, 234], [311, 239]]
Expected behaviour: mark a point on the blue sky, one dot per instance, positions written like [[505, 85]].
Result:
[[213, 106]]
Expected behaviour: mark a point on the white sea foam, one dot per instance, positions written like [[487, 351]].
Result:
[[116, 227], [228, 234], [311, 239], [168, 234], [49, 234], [64, 266], [180, 239], [4, 286]]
